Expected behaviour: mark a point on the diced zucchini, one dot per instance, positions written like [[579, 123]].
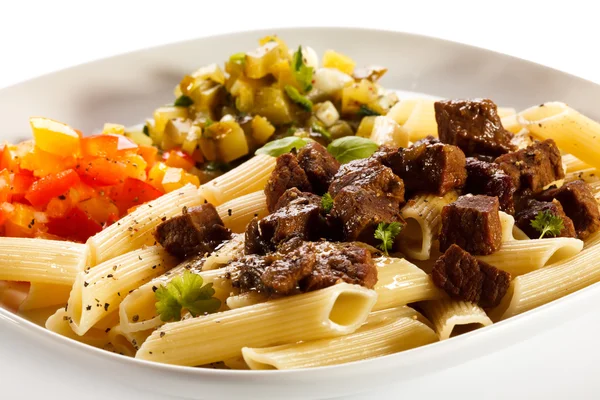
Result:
[[190, 143], [139, 138], [330, 80], [175, 133], [365, 129], [259, 62], [333, 59], [161, 116], [273, 104], [340, 129], [327, 113], [210, 98], [262, 129], [212, 72], [187, 85], [115, 129], [224, 141]]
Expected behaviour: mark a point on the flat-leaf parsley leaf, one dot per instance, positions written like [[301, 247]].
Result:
[[327, 203], [546, 222], [387, 232]]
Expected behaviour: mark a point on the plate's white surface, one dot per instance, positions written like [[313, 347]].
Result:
[[127, 88]]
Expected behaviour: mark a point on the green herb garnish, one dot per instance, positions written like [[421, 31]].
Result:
[[238, 58], [322, 130], [387, 233], [327, 202], [185, 292], [183, 101], [546, 222], [348, 148], [215, 166], [146, 130], [284, 145], [208, 122], [297, 98], [365, 111], [302, 72]]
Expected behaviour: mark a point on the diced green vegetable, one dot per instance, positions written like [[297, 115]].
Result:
[[297, 98], [183, 101], [327, 203], [239, 58], [365, 111], [316, 127], [302, 72]]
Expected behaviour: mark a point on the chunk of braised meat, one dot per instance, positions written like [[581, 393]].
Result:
[[578, 202], [388, 155], [466, 278], [286, 175], [198, 230], [429, 166], [359, 211], [533, 167], [253, 240], [319, 165], [524, 218], [473, 223], [300, 266], [368, 174], [489, 179], [474, 126]]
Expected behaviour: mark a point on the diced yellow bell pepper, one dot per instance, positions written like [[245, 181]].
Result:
[[54, 137], [113, 129], [333, 59], [176, 178], [262, 129], [366, 127], [357, 94], [139, 138], [283, 48], [259, 62], [209, 98], [156, 174]]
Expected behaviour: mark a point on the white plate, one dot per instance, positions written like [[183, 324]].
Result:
[[126, 89]]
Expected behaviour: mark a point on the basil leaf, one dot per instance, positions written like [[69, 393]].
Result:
[[348, 148], [297, 98], [183, 101], [365, 111], [282, 146]]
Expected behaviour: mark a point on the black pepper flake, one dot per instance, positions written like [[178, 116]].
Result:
[[256, 215], [114, 268], [85, 284], [205, 201], [184, 210], [162, 334], [135, 318], [140, 258], [154, 288], [88, 308], [107, 330], [119, 294], [154, 267], [163, 219], [149, 352], [62, 197], [109, 275], [65, 318], [229, 212], [106, 305]]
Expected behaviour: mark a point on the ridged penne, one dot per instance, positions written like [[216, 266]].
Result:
[[416, 116], [400, 282], [248, 177], [238, 212], [136, 229], [589, 175], [100, 290], [226, 252], [423, 222], [335, 311], [61, 323], [553, 282], [127, 343], [573, 164], [42, 295], [519, 257], [245, 299], [385, 332], [41, 260], [454, 317]]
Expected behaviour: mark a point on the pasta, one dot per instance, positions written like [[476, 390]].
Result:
[[416, 116], [334, 311], [237, 212], [41, 261], [136, 229], [100, 290], [223, 254], [452, 317], [573, 164], [384, 332], [61, 323], [423, 222], [42, 295], [127, 343]]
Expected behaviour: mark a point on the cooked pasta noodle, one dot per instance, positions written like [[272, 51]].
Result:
[[42, 295], [573, 164], [238, 212], [245, 299], [127, 343], [416, 116], [226, 252], [451, 317], [61, 323]]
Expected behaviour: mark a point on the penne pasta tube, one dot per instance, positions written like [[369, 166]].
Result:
[[511, 123], [245, 300], [41, 260], [127, 343], [61, 323], [136, 229], [421, 121], [251, 176], [573, 164], [400, 282], [238, 212], [572, 131], [39, 316], [385, 332], [138, 310], [99, 291], [335, 311], [423, 215], [544, 285], [589, 175], [226, 252], [519, 257], [12, 294], [506, 111], [42, 295], [451, 317]]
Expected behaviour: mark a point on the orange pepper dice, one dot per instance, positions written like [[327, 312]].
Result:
[[55, 137], [178, 159], [43, 190]]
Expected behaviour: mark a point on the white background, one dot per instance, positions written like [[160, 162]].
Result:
[[37, 38]]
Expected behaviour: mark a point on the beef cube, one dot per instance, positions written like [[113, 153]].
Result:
[[368, 174], [578, 202], [286, 175], [524, 218], [359, 211], [319, 165], [473, 223], [198, 230], [463, 277], [431, 167], [300, 266], [474, 126], [533, 167], [388, 156], [253, 240], [489, 179], [297, 214]]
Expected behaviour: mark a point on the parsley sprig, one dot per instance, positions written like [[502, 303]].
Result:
[[546, 222], [387, 232], [185, 292], [327, 203]]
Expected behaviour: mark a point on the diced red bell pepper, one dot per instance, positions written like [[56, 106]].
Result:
[[5, 192], [133, 192], [149, 154], [20, 184], [23, 220], [107, 145], [9, 159], [105, 171], [178, 159], [100, 209], [51, 186], [76, 226], [42, 163]]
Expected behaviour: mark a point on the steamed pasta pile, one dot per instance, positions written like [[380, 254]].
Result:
[[102, 293]]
